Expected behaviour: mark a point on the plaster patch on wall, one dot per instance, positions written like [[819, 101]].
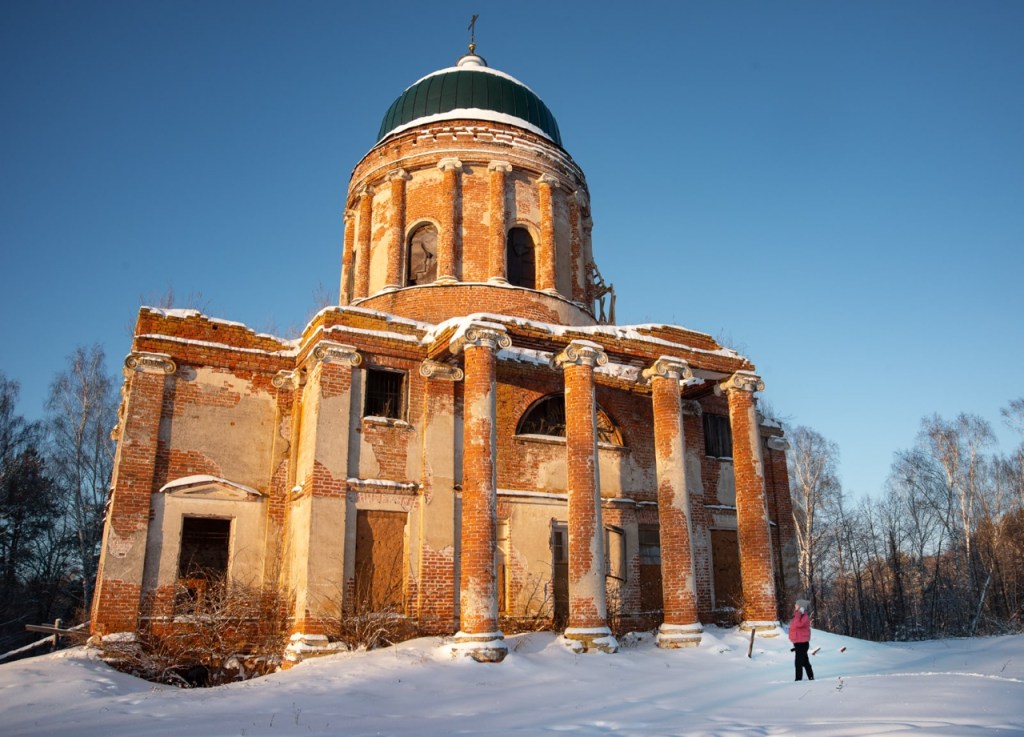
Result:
[[726, 484], [118, 546]]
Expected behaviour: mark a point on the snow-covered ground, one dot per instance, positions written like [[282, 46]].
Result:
[[959, 688]]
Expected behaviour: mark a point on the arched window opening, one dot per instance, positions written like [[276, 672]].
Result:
[[519, 258], [547, 417], [422, 256]]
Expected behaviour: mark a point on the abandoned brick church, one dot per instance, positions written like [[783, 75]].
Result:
[[467, 440]]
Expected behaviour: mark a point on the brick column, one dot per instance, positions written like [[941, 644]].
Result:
[[588, 617], [681, 626], [756, 570], [317, 516], [446, 240], [396, 229], [116, 602], [362, 255], [348, 259], [479, 636], [546, 248], [496, 268]]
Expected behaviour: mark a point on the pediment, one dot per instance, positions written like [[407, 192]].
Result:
[[203, 486]]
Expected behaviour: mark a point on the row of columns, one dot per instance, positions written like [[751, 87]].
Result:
[[479, 633], [355, 282]]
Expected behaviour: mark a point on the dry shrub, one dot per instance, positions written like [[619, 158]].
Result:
[[223, 633]]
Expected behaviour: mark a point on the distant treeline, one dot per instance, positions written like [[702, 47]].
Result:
[[939, 553], [54, 480]]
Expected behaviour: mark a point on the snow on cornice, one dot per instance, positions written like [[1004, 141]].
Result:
[[184, 314], [386, 334], [385, 316], [431, 332], [617, 332], [289, 353]]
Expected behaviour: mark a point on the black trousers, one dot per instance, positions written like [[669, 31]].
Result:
[[802, 661]]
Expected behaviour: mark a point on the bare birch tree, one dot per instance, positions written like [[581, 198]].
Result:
[[959, 448], [815, 489], [82, 411]]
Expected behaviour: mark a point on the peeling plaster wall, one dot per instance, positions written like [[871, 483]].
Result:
[[379, 237], [325, 556], [226, 423], [530, 562]]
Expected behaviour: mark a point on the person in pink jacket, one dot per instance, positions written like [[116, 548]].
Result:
[[800, 636]]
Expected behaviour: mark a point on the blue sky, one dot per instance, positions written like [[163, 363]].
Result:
[[835, 188]]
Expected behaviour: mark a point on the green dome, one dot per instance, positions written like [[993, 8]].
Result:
[[470, 90]]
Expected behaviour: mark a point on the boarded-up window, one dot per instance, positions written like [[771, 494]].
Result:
[[422, 256], [202, 561], [385, 394], [615, 552], [725, 558], [520, 259], [380, 552], [650, 568], [717, 436]]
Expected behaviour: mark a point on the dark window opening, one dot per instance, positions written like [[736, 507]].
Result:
[[519, 258], [650, 545], [422, 256], [202, 562], [547, 417], [717, 436], [650, 568], [384, 392]]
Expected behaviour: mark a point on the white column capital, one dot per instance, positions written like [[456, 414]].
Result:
[[327, 351], [744, 381], [500, 166], [350, 215], [150, 363], [287, 379], [398, 175], [549, 180], [442, 371], [449, 162], [668, 367], [580, 353], [364, 190], [485, 335]]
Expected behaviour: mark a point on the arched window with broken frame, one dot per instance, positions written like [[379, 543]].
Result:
[[421, 256]]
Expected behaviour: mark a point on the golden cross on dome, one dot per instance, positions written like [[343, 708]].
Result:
[[472, 34]]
